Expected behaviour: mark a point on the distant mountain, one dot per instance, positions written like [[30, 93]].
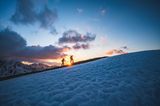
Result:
[[12, 68]]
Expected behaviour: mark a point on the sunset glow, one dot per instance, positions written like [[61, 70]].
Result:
[[26, 62], [67, 61]]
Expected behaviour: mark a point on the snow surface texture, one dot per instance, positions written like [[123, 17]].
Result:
[[126, 80]]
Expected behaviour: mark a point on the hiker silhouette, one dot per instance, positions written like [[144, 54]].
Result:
[[71, 59], [63, 61]]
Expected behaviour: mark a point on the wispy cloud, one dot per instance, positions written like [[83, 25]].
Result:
[[79, 10], [115, 52], [103, 12], [125, 47]]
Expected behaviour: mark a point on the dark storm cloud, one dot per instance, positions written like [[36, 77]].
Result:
[[81, 46], [12, 45], [39, 52], [10, 42], [72, 36], [47, 17], [25, 14]]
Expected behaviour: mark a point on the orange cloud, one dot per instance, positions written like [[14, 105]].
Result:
[[115, 52], [66, 49]]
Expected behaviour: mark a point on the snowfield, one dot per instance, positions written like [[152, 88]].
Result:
[[127, 80]]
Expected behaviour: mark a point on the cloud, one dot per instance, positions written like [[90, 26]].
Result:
[[125, 47], [12, 45], [79, 10], [39, 52], [115, 52], [25, 14], [80, 46], [103, 12], [10, 42], [72, 36], [47, 17], [1, 26], [53, 31], [66, 48]]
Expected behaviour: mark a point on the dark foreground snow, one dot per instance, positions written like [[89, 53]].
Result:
[[127, 80]]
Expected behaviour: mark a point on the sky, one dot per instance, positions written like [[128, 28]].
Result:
[[47, 30]]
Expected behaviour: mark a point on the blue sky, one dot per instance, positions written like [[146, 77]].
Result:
[[116, 23]]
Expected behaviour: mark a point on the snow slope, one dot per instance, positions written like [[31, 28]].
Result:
[[126, 80]]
